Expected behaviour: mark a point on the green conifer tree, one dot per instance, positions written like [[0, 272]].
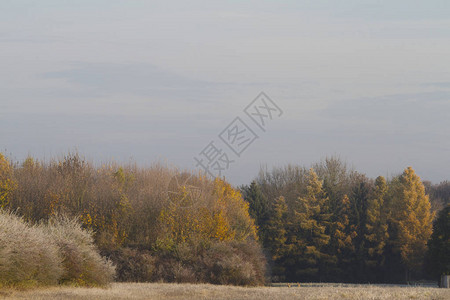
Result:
[[276, 236], [258, 206], [438, 256], [376, 233]]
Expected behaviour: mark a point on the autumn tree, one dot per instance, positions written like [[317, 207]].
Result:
[[336, 177], [342, 233], [309, 235], [376, 227], [221, 214], [411, 219], [7, 184], [111, 221]]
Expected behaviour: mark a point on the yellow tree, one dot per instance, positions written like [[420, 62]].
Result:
[[221, 215], [411, 219], [7, 184], [343, 233], [310, 236], [236, 210], [276, 229]]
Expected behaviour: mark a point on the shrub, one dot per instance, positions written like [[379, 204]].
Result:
[[44, 254], [170, 269], [220, 262], [28, 256], [132, 264], [82, 263], [237, 263]]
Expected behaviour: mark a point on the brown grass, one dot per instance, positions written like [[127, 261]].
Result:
[[207, 291]]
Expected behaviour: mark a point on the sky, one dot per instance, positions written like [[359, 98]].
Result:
[[158, 81]]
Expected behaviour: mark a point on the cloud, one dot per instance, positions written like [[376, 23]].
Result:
[[426, 110], [445, 85], [104, 79]]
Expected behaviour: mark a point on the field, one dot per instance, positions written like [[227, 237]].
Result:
[[207, 291]]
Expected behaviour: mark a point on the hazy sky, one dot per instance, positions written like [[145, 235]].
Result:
[[158, 80]]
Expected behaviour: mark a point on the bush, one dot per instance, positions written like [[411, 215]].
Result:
[[132, 264], [28, 256], [232, 262], [236, 263], [170, 269], [82, 263], [49, 253]]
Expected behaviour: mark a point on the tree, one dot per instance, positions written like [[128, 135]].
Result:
[[342, 238], [7, 184], [360, 191], [411, 220], [258, 206], [310, 236], [439, 194], [336, 177], [376, 231], [276, 235], [438, 256], [222, 215]]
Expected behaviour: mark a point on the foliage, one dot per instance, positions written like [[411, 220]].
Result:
[[218, 262], [136, 217], [340, 225], [411, 219], [309, 235], [28, 256], [7, 184], [343, 234], [439, 245], [132, 264], [81, 262], [221, 215], [49, 253], [439, 194], [327, 223], [258, 205], [376, 231]]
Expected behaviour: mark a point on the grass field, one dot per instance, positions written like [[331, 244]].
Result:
[[207, 291]]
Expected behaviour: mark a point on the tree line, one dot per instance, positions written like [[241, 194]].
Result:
[[324, 223], [153, 223], [330, 223]]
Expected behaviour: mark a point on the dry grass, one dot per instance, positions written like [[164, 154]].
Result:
[[207, 291]]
